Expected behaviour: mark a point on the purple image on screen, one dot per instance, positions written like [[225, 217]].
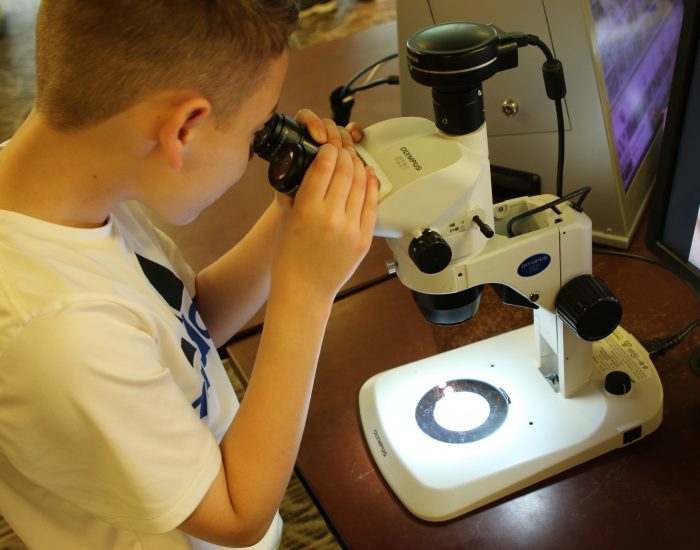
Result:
[[637, 42]]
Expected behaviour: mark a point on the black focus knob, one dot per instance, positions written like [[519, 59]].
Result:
[[430, 252], [618, 382], [589, 307]]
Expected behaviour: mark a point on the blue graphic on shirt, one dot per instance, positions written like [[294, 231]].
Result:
[[196, 337], [201, 401], [199, 335]]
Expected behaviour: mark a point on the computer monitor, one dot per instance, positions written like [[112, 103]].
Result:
[[674, 218], [618, 58]]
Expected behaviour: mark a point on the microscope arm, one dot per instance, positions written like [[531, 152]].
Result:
[[551, 250]]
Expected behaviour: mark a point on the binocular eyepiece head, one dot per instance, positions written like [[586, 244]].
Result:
[[289, 149]]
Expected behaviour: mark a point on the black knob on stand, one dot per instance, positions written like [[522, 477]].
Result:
[[589, 307], [618, 382], [430, 252]]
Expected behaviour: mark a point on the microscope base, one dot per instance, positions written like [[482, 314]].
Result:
[[521, 431]]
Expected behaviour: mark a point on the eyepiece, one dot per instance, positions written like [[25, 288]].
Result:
[[278, 130], [289, 149], [288, 166]]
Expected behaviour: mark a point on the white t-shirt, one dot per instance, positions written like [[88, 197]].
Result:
[[113, 398]]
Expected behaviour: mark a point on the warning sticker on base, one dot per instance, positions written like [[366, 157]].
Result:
[[621, 351]]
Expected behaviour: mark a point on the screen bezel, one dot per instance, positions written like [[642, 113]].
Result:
[[680, 88]]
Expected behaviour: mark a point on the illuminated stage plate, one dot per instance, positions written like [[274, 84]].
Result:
[[461, 411]]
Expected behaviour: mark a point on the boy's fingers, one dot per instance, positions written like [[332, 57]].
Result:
[[327, 131], [356, 196], [355, 130], [315, 126], [319, 174], [368, 218], [342, 181], [348, 142], [338, 136]]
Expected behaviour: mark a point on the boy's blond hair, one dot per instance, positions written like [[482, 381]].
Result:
[[96, 58]]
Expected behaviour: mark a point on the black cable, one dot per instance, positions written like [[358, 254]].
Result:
[[363, 286], [560, 147], [611, 252], [535, 41], [346, 88], [391, 79], [556, 90], [583, 192], [656, 346], [341, 98], [659, 346], [257, 328], [653, 261]]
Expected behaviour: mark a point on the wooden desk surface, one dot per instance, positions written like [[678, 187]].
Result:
[[643, 496]]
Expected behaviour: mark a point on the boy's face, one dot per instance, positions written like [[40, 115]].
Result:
[[219, 154]]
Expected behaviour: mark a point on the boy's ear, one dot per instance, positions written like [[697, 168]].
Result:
[[178, 130]]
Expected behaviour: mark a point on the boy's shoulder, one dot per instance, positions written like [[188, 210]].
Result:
[[46, 267]]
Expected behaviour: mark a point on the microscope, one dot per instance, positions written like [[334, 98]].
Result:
[[453, 432]]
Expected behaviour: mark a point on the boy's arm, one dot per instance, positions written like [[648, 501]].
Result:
[[327, 233], [233, 288]]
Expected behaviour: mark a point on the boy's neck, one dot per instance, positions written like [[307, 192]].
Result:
[[72, 179]]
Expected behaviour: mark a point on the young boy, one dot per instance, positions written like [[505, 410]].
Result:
[[118, 426]]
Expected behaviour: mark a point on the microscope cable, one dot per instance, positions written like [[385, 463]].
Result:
[[657, 346], [581, 193], [346, 293], [342, 98], [553, 73], [345, 90]]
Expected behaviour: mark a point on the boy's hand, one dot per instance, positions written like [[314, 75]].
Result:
[[326, 131], [329, 229]]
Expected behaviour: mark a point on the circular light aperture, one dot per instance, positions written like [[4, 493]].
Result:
[[460, 411]]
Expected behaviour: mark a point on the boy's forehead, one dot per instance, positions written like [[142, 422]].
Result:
[[271, 85], [277, 66], [263, 99]]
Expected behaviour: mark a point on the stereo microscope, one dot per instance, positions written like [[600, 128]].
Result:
[[455, 431]]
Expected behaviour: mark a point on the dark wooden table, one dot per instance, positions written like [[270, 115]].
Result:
[[646, 495]]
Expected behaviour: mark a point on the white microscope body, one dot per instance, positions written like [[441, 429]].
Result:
[[453, 432]]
